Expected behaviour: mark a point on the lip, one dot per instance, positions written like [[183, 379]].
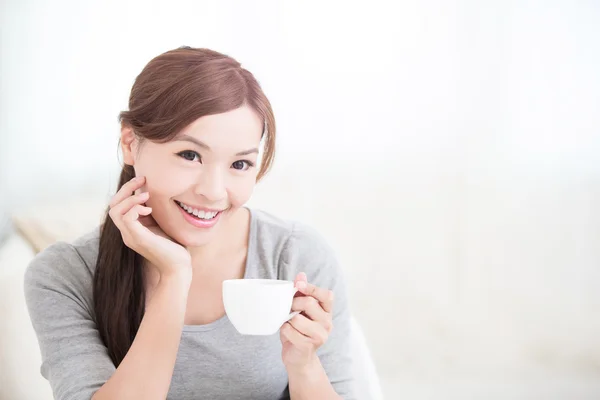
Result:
[[197, 222]]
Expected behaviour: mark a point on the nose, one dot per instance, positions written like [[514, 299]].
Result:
[[211, 185]]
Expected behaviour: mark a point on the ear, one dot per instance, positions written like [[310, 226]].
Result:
[[129, 144]]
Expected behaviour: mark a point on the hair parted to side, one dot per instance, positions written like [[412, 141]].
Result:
[[173, 90]]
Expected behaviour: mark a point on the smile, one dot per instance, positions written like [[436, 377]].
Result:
[[200, 214]]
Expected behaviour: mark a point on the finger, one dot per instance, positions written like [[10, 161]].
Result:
[[290, 334], [134, 213], [312, 308], [129, 226], [131, 223], [324, 296], [117, 212], [127, 189], [128, 203], [300, 277], [315, 331]]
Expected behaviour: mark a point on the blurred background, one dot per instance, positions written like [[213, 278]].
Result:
[[447, 150]]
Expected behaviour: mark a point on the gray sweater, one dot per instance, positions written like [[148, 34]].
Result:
[[214, 361]]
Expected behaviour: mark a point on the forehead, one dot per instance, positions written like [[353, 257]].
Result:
[[236, 127]]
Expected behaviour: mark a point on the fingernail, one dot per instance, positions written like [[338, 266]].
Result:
[[301, 285]]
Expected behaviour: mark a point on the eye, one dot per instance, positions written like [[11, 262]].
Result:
[[242, 165], [190, 155]]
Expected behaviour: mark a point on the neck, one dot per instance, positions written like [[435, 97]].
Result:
[[230, 240]]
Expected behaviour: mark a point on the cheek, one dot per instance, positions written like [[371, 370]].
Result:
[[160, 181], [161, 190], [241, 190]]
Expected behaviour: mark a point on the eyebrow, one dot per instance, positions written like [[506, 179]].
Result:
[[191, 139]]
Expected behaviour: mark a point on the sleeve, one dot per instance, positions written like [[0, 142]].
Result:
[[307, 251], [58, 288]]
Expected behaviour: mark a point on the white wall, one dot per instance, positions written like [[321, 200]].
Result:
[[447, 150]]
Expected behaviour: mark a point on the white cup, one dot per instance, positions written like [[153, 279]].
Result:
[[258, 306]]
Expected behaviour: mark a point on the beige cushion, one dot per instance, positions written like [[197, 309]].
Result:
[[45, 224], [36, 228]]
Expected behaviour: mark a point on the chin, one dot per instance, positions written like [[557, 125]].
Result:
[[189, 238], [194, 243]]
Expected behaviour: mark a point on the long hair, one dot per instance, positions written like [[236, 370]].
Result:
[[173, 90]]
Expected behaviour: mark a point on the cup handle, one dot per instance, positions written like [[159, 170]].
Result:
[[292, 314]]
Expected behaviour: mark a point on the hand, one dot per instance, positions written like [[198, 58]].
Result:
[[309, 330], [142, 234]]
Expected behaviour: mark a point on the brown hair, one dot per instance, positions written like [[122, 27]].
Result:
[[173, 90]]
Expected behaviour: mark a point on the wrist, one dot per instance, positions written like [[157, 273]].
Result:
[[181, 278], [310, 381], [309, 369]]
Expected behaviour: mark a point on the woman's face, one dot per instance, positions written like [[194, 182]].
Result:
[[209, 167]]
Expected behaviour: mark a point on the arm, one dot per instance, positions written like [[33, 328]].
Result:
[[75, 361], [146, 370], [307, 251], [311, 383]]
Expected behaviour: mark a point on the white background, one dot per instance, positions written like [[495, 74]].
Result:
[[448, 151]]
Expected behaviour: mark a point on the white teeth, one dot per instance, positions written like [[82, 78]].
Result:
[[198, 213]]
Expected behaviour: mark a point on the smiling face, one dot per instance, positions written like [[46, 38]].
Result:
[[209, 167]]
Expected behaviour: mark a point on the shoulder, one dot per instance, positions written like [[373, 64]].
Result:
[[301, 248], [270, 227], [64, 267], [292, 236]]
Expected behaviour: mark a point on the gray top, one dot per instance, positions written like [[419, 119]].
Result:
[[214, 361]]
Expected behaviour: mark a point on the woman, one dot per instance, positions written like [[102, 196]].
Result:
[[133, 310]]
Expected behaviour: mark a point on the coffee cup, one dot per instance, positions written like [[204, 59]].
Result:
[[258, 306]]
